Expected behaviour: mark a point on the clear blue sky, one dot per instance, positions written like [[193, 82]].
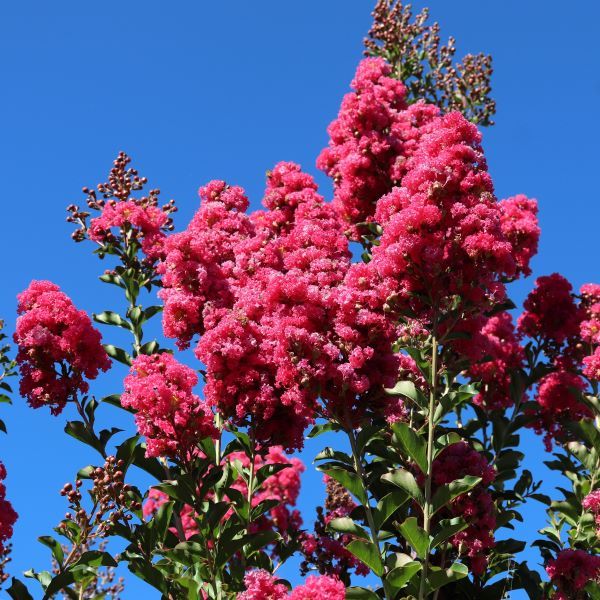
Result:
[[202, 90]]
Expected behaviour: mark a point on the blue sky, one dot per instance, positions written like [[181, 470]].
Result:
[[197, 91]]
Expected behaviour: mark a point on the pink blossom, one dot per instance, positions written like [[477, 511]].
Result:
[[283, 487], [58, 347], [571, 570], [591, 365], [8, 516], [371, 140], [146, 220], [268, 351], [503, 354], [321, 587], [520, 226], [168, 413], [261, 585], [443, 239], [551, 314], [591, 503], [558, 403], [198, 264]]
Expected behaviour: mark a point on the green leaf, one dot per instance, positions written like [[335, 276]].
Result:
[[413, 444], [329, 454], [18, 590], [115, 400], [347, 525], [266, 471], [407, 482], [151, 311], [112, 318], [408, 389], [439, 577], [79, 431], [149, 347], [320, 429], [60, 582], [161, 521], [415, 536], [351, 481], [118, 354], [55, 546], [401, 575], [387, 506], [448, 527], [446, 493], [174, 490], [360, 593], [86, 472], [368, 553], [112, 279], [126, 451], [96, 558]]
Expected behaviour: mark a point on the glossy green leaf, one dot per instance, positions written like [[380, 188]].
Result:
[[368, 553], [448, 528], [407, 482], [446, 493], [437, 577], [412, 443], [415, 536], [351, 481], [112, 318], [118, 354], [54, 546], [360, 593], [408, 389], [388, 505], [18, 590], [347, 525], [400, 576]]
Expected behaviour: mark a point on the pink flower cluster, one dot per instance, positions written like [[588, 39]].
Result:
[[570, 572], [591, 503], [285, 321], [518, 219], [476, 507], [199, 264], [590, 329], [502, 355], [146, 221], [370, 141], [377, 144], [550, 313], [558, 403], [261, 585], [8, 516], [259, 290], [283, 487], [168, 413], [58, 348], [442, 236], [567, 332]]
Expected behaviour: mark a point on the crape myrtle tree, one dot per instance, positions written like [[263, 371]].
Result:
[[382, 317]]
